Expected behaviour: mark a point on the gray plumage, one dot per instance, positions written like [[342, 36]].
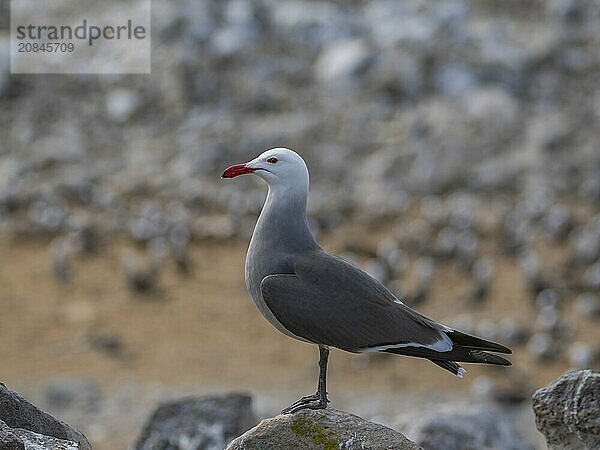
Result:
[[312, 295]]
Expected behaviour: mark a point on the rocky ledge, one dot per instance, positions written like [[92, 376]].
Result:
[[23, 426], [327, 429], [198, 423], [567, 411]]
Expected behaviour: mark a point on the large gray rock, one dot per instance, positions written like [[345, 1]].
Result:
[[18, 413], [8, 439], [567, 411], [36, 441], [200, 423], [458, 427], [326, 429]]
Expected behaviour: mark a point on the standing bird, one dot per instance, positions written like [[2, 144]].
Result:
[[314, 296]]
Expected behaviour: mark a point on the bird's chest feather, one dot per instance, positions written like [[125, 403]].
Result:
[[261, 261]]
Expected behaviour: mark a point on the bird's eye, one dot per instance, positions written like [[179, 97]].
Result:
[[272, 160]]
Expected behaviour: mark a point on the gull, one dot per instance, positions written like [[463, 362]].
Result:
[[317, 297]]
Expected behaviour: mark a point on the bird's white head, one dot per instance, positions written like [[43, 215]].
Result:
[[281, 168]]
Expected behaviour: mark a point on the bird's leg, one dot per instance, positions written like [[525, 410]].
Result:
[[322, 388], [319, 399]]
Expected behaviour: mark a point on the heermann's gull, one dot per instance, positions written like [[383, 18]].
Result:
[[314, 296]]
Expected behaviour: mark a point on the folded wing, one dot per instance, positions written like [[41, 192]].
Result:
[[332, 302]]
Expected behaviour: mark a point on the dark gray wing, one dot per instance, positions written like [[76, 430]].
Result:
[[332, 302]]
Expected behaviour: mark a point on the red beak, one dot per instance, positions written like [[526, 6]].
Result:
[[238, 169]]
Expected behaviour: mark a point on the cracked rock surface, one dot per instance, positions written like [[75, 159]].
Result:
[[568, 411]]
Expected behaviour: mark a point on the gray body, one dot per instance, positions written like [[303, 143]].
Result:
[[280, 233], [320, 297], [314, 296]]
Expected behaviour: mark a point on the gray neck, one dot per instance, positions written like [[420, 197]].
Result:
[[283, 221]]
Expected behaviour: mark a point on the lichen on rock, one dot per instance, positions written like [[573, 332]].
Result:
[[326, 429], [319, 435]]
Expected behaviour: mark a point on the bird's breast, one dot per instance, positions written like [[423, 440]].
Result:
[[261, 262]]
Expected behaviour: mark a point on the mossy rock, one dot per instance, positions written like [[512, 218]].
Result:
[[327, 429]]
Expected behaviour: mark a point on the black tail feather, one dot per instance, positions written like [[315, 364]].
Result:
[[450, 366], [475, 343], [457, 354]]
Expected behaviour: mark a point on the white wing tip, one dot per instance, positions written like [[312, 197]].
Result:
[[460, 372]]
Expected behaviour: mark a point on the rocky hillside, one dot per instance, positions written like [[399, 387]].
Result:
[[383, 98]]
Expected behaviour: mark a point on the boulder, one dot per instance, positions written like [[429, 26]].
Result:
[[458, 426], [198, 423], [18, 413], [567, 411], [36, 441], [324, 429], [8, 439]]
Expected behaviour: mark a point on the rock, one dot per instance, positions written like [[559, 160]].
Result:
[[587, 305], [80, 394], [417, 31], [585, 244], [542, 346], [467, 427], [557, 221], [511, 332], [549, 320], [233, 39], [455, 80], [377, 270], [581, 356], [487, 329], [548, 298], [308, 24], [466, 246], [62, 268], [592, 275], [320, 429], [18, 413], [8, 439], [392, 256], [483, 270], [446, 242], [398, 72], [36, 441], [567, 411], [121, 104], [141, 275], [492, 107], [198, 423], [343, 60]]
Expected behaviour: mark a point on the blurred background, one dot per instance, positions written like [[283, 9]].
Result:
[[453, 151]]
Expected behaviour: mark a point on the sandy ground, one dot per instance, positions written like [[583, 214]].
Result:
[[202, 333]]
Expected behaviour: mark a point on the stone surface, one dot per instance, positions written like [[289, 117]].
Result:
[[567, 411], [458, 427], [8, 439], [17, 412], [35, 441], [197, 423], [321, 429]]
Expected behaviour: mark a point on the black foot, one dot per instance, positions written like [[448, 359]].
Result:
[[308, 402], [303, 403]]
